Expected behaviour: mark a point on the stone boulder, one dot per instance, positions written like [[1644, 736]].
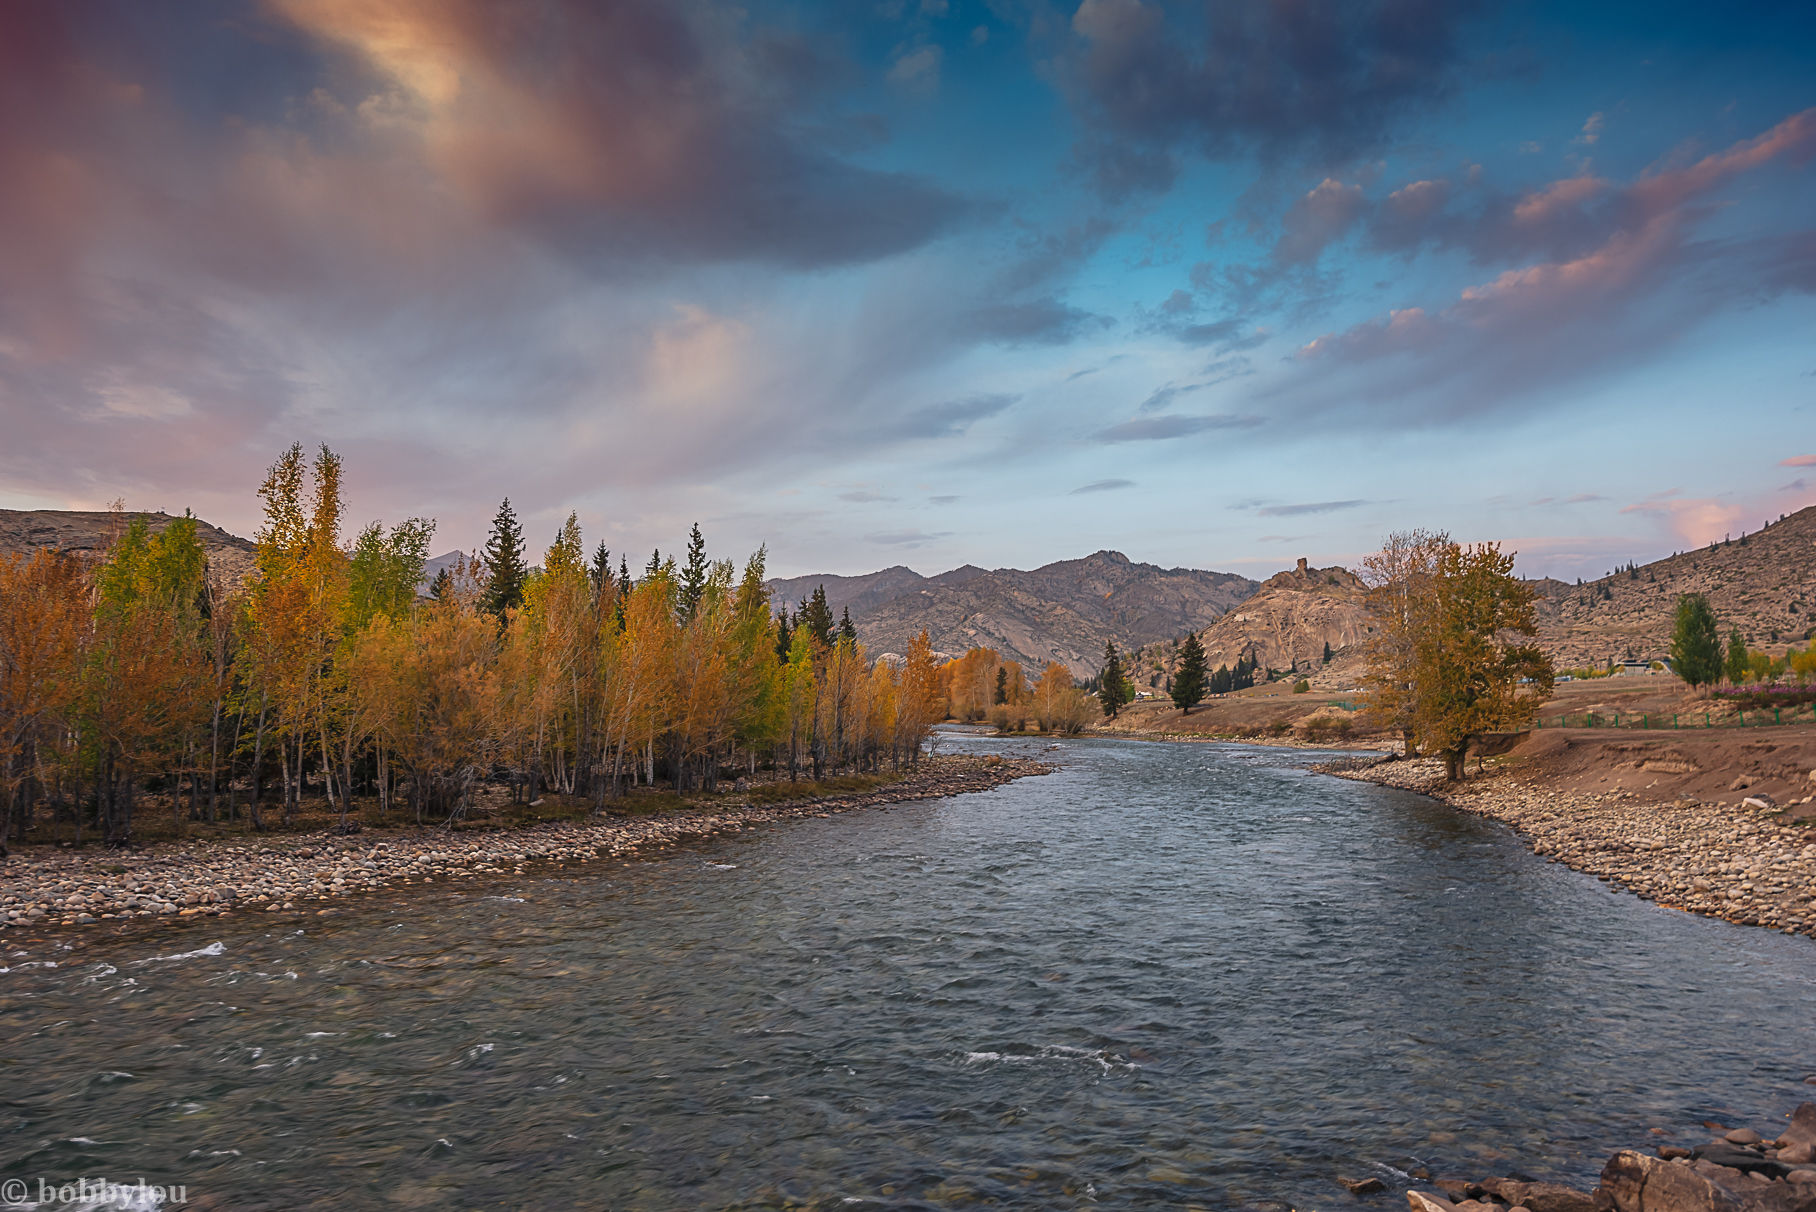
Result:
[[1539, 1197], [1635, 1182], [1802, 1130]]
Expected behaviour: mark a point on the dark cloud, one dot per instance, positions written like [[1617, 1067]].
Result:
[[1293, 511], [1323, 77], [1045, 321], [1156, 429], [1101, 486], [620, 131]]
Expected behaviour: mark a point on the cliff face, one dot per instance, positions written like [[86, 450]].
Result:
[[89, 534], [1066, 611], [1290, 619]]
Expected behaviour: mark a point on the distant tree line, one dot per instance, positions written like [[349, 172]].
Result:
[[148, 671]]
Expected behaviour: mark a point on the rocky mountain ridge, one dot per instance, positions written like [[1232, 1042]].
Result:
[[89, 533], [1064, 611]]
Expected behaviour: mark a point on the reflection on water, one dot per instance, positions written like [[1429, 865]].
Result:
[[1167, 976]]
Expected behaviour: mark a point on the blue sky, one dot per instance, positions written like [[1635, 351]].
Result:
[[923, 282]]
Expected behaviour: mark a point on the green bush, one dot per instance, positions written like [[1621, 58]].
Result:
[[1301, 686]]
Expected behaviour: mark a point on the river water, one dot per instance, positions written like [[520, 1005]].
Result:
[[1166, 976]]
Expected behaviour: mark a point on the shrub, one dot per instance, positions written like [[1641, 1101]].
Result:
[[1301, 686]]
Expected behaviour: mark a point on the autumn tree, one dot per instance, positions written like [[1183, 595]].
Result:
[[44, 623], [1400, 586], [1471, 672]]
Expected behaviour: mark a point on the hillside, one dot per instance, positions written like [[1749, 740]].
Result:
[[1284, 626], [89, 534], [1064, 611], [1764, 584]]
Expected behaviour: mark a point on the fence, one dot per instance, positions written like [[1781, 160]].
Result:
[[1760, 718]]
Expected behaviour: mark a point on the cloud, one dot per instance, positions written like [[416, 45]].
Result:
[[1293, 511], [1163, 397], [1101, 486], [1695, 520], [1327, 78], [918, 70], [905, 538], [1319, 218], [1044, 321], [1592, 130], [1156, 429], [863, 496], [947, 420], [630, 134], [1583, 498], [1592, 311], [1808, 460]]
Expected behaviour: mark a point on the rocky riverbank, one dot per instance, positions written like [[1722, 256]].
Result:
[[61, 889], [1740, 1170], [1729, 861]]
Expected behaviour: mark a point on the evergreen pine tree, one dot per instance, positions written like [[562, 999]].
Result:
[[602, 568], [816, 616], [1002, 685], [1695, 641], [503, 559], [441, 585], [1188, 683], [1112, 684], [846, 630], [784, 635], [693, 576], [1327, 652], [624, 581]]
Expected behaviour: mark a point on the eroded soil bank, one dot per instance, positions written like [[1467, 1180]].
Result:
[[1715, 825]]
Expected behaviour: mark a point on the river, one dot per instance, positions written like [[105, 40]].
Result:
[[1165, 976]]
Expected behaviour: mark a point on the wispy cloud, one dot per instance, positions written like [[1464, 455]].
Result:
[[863, 496], [1101, 486], [1159, 429], [1293, 511], [906, 538], [1808, 460]]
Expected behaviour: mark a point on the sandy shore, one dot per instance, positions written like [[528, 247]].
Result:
[[59, 890], [1721, 860]]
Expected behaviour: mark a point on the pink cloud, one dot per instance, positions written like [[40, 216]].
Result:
[[1808, 460]]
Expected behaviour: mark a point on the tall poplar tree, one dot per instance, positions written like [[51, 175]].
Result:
[[503, 559], [1695, 641]]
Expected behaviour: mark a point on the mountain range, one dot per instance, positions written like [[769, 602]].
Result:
[[1065, 611]]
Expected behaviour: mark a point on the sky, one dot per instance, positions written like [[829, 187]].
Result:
[[922, 282]]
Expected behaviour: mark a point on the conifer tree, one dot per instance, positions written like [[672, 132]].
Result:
[[816, 616], [1188, 682], [1327, 652], [1113, 687], [693, 576], [1002, 685], [846, 630], [601, 571], [784, 634], [503, 559]]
